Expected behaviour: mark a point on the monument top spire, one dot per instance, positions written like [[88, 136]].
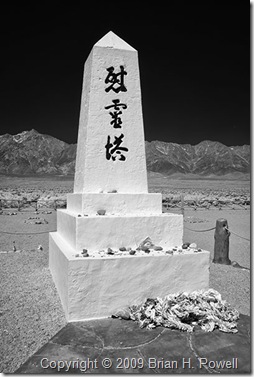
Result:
[[111, 40], [111, 143]]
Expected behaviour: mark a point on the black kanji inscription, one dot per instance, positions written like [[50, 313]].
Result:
[[116, 80], [115, 148]]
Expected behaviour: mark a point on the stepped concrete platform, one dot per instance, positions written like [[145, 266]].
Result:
[[96, 232], [97, 287], [115, 203], [114, 346]]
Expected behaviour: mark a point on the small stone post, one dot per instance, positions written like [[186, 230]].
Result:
[[221, 244]]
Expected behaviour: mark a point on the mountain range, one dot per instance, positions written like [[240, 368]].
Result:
[[32, 153]]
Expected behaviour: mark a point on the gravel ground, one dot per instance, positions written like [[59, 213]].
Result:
[[30, 309]]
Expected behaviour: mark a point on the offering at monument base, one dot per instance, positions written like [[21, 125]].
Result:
[[97, 257]]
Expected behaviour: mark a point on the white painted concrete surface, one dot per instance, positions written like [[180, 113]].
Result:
[[93, 171], [99, 232], [96, 288], [114, 203]]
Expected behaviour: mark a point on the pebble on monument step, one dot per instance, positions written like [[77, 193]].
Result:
[[170, 252], [144, 248], [101, 212], [110, 251], [86, 255], [147, 242], [142, 251], [185, 245], [157, 248]]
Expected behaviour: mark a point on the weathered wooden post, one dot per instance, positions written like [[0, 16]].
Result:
[[221, 243], [182, 204]]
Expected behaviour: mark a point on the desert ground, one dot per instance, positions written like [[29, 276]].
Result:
[[30, 309]]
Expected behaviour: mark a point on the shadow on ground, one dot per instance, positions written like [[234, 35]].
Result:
[[118, 346]]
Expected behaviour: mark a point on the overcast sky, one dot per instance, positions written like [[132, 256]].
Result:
[[194, 66]]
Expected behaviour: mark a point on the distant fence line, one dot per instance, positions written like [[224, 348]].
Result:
[[221, 247], [193, 230], [205, 203], [168, 203], [21, 204], [208, 230]]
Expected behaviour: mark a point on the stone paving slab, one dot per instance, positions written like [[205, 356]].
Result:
[[119, 346]]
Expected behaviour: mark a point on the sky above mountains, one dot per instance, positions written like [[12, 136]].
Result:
[[194, 67]]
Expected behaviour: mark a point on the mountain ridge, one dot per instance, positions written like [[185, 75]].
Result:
[[32, 153]]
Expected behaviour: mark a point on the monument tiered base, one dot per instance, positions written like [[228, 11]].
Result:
[[97, 287], [99, 232], [115, 203]]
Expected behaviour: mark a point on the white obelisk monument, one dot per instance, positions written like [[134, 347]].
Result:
[[111, 144], [111, 206]]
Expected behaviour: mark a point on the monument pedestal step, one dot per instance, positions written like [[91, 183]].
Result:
[[115, 203], [97, 232], [97, 287]]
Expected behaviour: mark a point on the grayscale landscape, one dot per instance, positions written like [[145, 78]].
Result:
[[31, 312], [135, 103]]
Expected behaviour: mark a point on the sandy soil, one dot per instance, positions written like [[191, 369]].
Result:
[[30, 309]]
